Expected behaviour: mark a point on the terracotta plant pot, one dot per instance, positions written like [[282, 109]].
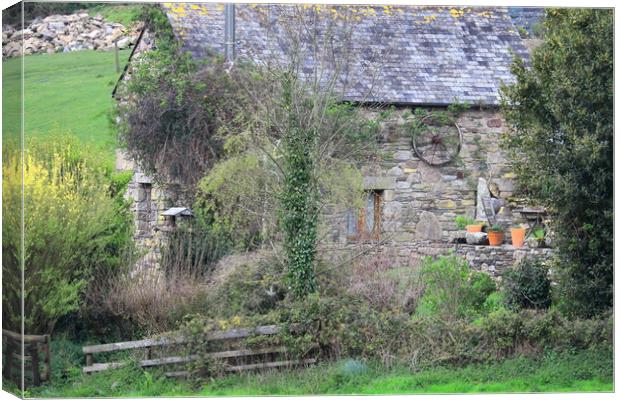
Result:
[[518, 236], [474, 228], [496, 238]]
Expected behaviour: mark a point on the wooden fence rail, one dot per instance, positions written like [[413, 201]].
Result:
[[35, 352], [234, 359]]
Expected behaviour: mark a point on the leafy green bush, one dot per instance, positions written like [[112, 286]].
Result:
[[234, 199], [453, 289], [504, 333], [481, 287], [527, 285], [493, 302], [344, 326], [561, 109], [67, 358], [76, 223]]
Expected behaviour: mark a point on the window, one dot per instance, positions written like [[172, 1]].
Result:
[[365, 224], [143, 208]]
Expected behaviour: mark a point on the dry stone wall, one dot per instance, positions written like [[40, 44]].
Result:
[[64, 33]]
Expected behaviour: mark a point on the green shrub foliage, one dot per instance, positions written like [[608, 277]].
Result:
[[561, 109], [527, 285], [346, 327], [453, 289], [76, 224], [473, 326]]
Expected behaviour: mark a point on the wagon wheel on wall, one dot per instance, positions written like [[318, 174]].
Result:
[[437, 144]]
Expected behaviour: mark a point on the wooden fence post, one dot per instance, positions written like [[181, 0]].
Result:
[[48, 359], [34, 364], [9, 359], [31, 350]]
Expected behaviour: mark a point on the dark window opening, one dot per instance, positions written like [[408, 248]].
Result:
[[365, 223]]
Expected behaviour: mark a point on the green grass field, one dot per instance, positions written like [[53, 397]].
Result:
[[125, 14], [67, 92], [583, 371]]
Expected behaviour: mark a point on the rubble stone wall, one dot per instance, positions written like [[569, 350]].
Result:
[[420, 202], [64, 33], [493, 260]]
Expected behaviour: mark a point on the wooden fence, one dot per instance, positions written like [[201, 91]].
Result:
[[35, 354], [234, 358]]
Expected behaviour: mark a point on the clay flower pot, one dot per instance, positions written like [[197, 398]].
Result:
[[474, 228], [518, 236], [495, 238]]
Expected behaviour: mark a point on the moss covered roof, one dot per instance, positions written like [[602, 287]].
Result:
[[395, 54]]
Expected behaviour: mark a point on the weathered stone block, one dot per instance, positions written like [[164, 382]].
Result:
[[139, 177], [494, 123], [429, 174], [393, 209], [448, 204], [403, 237], [403, 155], [395, 171], [482, 191], [505, 185], [379, 182], [428, 227]]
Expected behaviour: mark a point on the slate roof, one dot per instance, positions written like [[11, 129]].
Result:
[[526, 17], [399, 54]]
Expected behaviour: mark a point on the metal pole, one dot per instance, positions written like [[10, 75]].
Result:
[[229, 31]]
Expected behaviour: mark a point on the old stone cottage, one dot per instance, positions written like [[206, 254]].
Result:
[[408, 57]]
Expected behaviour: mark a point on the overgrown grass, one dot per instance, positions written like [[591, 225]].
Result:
[[63, 91], [584, 371], [126, 14]]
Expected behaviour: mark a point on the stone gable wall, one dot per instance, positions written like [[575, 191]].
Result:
[[420, 202]]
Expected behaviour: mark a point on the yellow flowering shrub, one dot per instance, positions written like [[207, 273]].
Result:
[[75, 224]]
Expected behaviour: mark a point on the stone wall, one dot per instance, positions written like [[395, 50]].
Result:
[[491, 259], [495, 260], [64, 33], [148, 201], [420, 202]]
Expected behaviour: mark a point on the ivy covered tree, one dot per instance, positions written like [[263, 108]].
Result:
[[561, 109], [260, 147]]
